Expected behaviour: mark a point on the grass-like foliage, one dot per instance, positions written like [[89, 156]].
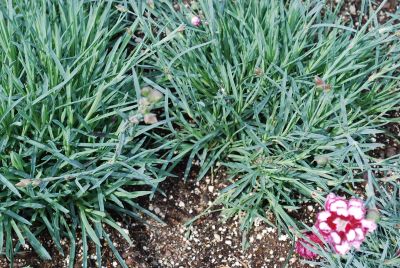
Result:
[[69, 155], [281, 93]]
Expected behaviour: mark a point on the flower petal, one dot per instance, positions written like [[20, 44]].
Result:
[[342, 212], [355, 202], [343, 248], [357, 212], [338, 204], [369, 225], [356, 244], [359, 234], [329, 199], [351, 235], [324, 215], [336, 238], [323, 227]]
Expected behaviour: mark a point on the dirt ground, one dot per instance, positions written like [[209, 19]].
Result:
[[209, 242]]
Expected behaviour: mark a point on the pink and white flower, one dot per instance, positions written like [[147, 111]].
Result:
[[342, 224]]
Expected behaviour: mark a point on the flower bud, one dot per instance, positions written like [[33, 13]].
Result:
[[258, 72], [373, 214], [134, 120], [301, 244], [155, 96], [145, 91], [177, 7], [150, 3], [196, 21], [321, 160], [150, 95], [181, 28], [150, 119], [321, 84], [143, 105]]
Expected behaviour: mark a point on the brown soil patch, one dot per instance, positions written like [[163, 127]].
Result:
[[209, 242]]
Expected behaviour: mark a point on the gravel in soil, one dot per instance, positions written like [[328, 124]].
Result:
[[209, 242], [352, 9]]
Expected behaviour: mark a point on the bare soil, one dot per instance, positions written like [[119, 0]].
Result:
[[209, 242]]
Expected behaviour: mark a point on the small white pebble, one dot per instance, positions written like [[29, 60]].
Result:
[[157, 210], [217, 237], [283, 238]]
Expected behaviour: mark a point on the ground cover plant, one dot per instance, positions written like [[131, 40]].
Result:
[[70, 152], [281, 93], [100, 101]]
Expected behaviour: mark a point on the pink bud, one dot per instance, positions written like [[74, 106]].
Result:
[[196, 21], [301, 244]]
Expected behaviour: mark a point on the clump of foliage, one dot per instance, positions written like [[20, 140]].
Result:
[[69, 154], [282, 94]]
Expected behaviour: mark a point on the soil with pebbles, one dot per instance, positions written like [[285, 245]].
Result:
[[210, 242], [352, 9]]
